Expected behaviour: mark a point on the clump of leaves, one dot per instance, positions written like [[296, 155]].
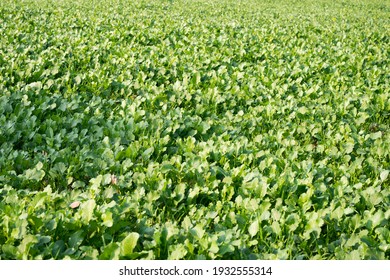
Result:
[[155, 130]]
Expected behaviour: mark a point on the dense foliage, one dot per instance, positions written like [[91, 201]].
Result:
[[196, 129]]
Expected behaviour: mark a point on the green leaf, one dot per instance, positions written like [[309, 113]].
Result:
[[35, 173], [302, 110], [276, 228], [58, 248], [349, 147], [165, 168], [128, 244], [369, 241], [26, 244], [178, 252], [147, 153], [214, 247], [10, 251], [110, 252], [226, 248], [76, 239], [96, 182], [106, 179], [38, 200], [253, 228], [86, 210], [376, 135], [107, 219], [77, 79], [198, 231], [377, 218], [384, 174]]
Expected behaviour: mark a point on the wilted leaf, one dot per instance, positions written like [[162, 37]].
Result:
[[74, 204]]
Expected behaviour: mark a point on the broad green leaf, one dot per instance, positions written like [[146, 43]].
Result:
[[35, 173], [86, 209], [253, 228], [178, 252], [376, 135], [226, 248], [107, 219], [128, 244], [10, 251], [26, 244], [147, 153], [349, 147], [76, 239], [276, 228], [198, 231], [96, 182], [106, 179], [214, 248], [199, 134], [165, 168], [377, 218], [110, 252], [384, 174], [369, 241]]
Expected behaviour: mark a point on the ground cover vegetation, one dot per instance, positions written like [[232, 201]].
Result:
[[194, 129]]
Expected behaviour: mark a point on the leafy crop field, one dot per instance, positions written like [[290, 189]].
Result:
[[196, 129]]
